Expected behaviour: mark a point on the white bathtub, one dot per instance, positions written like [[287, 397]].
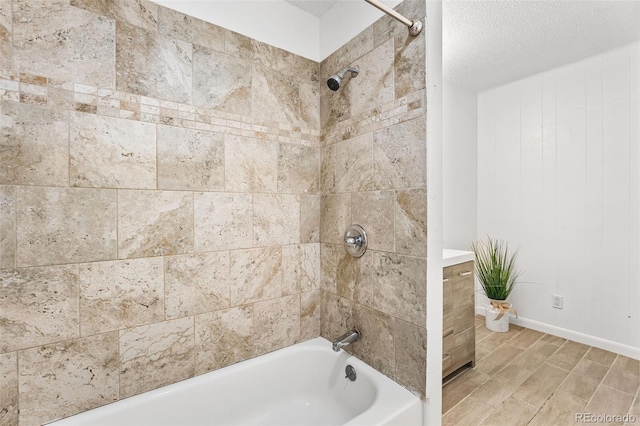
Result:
[[303, 384]]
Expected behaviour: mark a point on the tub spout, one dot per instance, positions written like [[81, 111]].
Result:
[[346, 339]]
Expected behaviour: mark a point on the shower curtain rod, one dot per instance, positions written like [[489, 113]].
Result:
[[414, 26]]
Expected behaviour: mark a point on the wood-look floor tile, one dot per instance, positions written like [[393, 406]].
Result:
[[555, 340], [560, 409], [624, 375], [470, 412], [535, 355], [493, 340], [635, 406], [540, 385], [501, 386], [498, 359], [584, 379], [461, 387], [481, 353], [600, 356], [610, 401], [525, 339], [512, 412], [569, 355]]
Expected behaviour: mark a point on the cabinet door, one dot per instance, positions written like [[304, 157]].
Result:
[[463, 301], [447, 296]]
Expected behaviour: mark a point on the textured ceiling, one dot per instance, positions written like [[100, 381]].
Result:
[[314, 7], [489, 43]]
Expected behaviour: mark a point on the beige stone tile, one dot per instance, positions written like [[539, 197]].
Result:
[[335, 217], [534, 356], [329, 257], [223, 338], [255, 275], [411, 222], [387, 27], [347, 276], [624, 375], [34, 145], [252, 50], [310, 218], [374, 211], [600, 356], [376, 346], [298, 169], [275, 97], [154, 223], [609, 401], [57, 225], [37, 26], [377, 88], [223, 221], [584, 379], [354, 164], [349, 52], [156, 355], [7, 227], [501, 386], [190, 159], [120, 294], [409, 63], [526, 338], [276, 219], [399, 155], [300, 268], [411, 356], [299, 66], [232, 90], [194, 284], [62, 379], [560, 409], [568, 355], [336, 314], [328, 161], [153, 65], [6, 39], [9, 389], [251, 165], [310, 315], [540, 385], [498, 359], [399, 286], [276, 324], [511, 412], [310, 105], [554, 340], [174, 24], [141, 13], [461, 387], [111, 152], [470, 412]]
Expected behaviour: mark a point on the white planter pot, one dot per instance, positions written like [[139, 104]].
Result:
[[501, 325]]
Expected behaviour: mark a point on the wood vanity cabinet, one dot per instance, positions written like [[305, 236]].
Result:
[[458, 325]]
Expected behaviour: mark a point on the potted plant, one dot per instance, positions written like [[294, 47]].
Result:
[[495, 269]]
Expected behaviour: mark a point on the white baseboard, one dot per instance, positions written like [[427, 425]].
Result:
[[607, 345]]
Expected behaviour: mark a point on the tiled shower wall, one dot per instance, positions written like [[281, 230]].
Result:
[[373, 174], [159, 202]]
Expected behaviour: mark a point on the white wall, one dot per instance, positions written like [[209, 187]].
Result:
[[283, 25], [558, 160], [459, 152]]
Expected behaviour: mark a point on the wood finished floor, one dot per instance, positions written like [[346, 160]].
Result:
[[525, 377]]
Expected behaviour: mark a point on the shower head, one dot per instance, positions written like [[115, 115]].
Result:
[[334, 81]]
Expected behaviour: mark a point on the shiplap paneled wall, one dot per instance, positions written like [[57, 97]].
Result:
[[558, 160]]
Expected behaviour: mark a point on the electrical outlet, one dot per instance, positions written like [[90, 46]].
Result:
[[557, 301]]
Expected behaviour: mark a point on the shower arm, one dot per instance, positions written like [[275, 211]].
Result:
[[414, 26]]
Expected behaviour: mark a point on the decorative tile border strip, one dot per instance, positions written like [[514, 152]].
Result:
[[40, 90]]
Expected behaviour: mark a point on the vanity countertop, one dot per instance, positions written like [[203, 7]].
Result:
[[454, 257]]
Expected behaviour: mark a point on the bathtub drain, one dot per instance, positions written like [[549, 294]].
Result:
[[351, 373]]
